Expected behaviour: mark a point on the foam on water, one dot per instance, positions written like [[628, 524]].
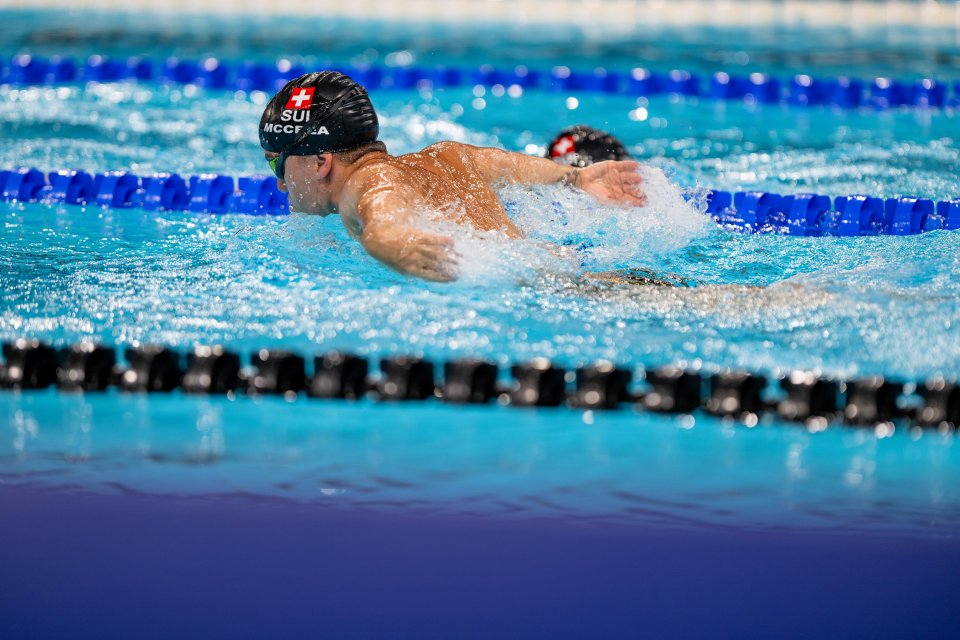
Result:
[[609, 237], [568, 232]]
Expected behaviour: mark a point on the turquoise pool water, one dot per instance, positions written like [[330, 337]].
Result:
[[620, 469], [845, 306]]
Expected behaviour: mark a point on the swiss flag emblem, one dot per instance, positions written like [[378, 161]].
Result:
[[301, 98], [563, 146]]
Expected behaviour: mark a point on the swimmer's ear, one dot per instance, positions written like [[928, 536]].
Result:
[[324, 164]]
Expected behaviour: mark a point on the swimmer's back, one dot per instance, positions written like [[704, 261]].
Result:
[[447, 181]]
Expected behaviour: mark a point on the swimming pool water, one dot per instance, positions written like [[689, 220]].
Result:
[[844, 306], [775, 302], [619, 469]]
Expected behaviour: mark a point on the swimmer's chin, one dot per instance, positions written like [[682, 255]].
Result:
[[315, 211]]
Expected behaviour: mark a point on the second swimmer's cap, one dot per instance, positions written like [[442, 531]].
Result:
[[319, 112], [581, 145]]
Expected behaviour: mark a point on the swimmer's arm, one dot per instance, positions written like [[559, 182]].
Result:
[[610, 182], [388, 235], [505, 167]]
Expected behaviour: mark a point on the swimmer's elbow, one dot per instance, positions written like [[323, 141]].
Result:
[[376, 241], [412, 252]]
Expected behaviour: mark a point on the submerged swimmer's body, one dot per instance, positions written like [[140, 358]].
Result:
[[333, 163]]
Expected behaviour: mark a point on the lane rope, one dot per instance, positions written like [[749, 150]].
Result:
[[746, 211], [800, 396], [754, 88]]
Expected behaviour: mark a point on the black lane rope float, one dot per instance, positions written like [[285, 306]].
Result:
[[807, 214], [803, 396]]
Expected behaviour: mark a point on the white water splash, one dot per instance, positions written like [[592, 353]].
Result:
[[568, 230], [606, 236]]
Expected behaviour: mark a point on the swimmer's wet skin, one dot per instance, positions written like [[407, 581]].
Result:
[[319, 135]]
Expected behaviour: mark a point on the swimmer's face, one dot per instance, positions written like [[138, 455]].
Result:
[[306, 185]]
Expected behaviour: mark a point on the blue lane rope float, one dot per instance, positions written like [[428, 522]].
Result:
[[800, 90], [799, 396], [204, 193], [746, 211], [817, 215]]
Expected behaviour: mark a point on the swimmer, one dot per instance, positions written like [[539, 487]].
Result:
[[320, 136], [581, 146]]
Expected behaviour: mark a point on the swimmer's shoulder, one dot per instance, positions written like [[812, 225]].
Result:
[[443, 151], [444, 159], [372, 189], [382, 173], [457, 157], [446, 147], [383, 185]]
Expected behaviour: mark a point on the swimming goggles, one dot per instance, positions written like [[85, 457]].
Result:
[[277, 164], [279, 161]]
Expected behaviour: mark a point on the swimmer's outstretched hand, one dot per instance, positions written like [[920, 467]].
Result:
[[613, 182], [431, 257]]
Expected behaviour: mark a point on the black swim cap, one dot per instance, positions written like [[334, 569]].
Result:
[[580, 146], [319, 112]]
